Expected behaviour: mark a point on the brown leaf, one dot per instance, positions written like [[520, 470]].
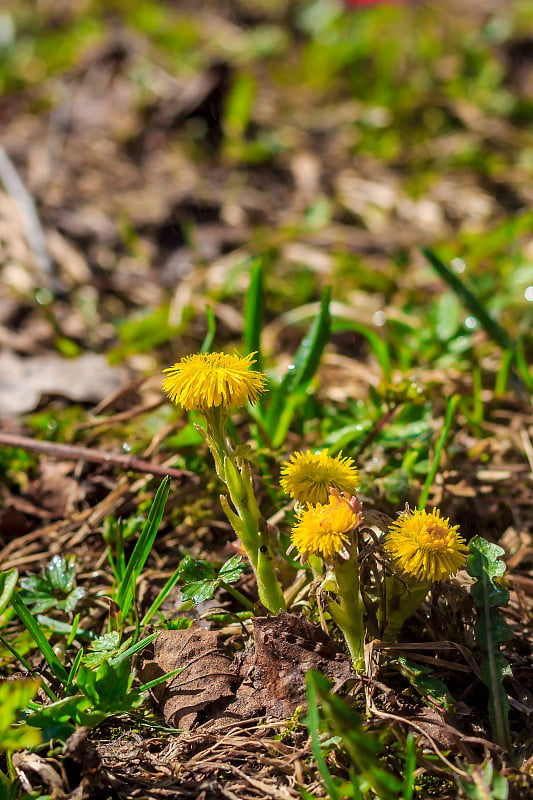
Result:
[[206, 680], [285, 648], [88, 378]]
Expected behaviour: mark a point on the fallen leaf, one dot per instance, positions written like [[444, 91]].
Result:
[[87, 379], [273, 673], [207, 677]]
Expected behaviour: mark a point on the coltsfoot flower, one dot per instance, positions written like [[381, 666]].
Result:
[[326, 530], [426, 546], [208, 380], [308, 476]]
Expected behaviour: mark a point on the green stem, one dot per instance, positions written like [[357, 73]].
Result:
[[216, 437], [347, 609], [245, 516], [402, 598], [238, 596], [268, 587]]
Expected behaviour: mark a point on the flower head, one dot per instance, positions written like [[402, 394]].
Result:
[[309, 476], [426, 546], [206, 380], [327, 530]]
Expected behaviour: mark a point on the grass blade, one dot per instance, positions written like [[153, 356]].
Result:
[[471, 302], [377, 344], [254, 312], [161, 597], [313, 721], [8, 581], [362, 747], [409, 768], [161, 679], [522, 364], [209, 337], [450, 411], [142, 550], [29, 622], [135, 648], [301, 373]]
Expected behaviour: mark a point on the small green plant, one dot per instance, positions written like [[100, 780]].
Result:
[[212, 383], [128, 573], [14, 698], [199, 580], [433, 690], [489, 594], [55, 589]]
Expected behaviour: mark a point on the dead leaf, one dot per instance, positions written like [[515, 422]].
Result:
[[207, 678], [87, 379], [286, 647]]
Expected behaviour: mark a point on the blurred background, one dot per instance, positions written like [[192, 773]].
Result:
[[155, 153]]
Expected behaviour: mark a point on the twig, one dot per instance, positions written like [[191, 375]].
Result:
[[76, 453], [31, 224]]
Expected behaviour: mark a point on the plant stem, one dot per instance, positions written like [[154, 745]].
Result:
[[347, 609], [247, 604], [245, 516], [268, 587], [402, 598]]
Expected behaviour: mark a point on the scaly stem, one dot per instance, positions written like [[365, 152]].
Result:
[[243, 513], [268, 587], [347, 608]]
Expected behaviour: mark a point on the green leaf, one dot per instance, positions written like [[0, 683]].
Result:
[[103, 648], [425, 684], [142, 549], [108, 688], [198, 591], [196, 569], [232, 570], [291, 391], [14, 698], [484, 563], [8, 581], [60, 719], [55, 589], [39, 638], [57, 626], [254, 312], [491, 630], [61, 573]]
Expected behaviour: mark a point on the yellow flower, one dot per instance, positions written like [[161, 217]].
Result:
[[327, 530], [426, 546], [308, 476], [207, 380]]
